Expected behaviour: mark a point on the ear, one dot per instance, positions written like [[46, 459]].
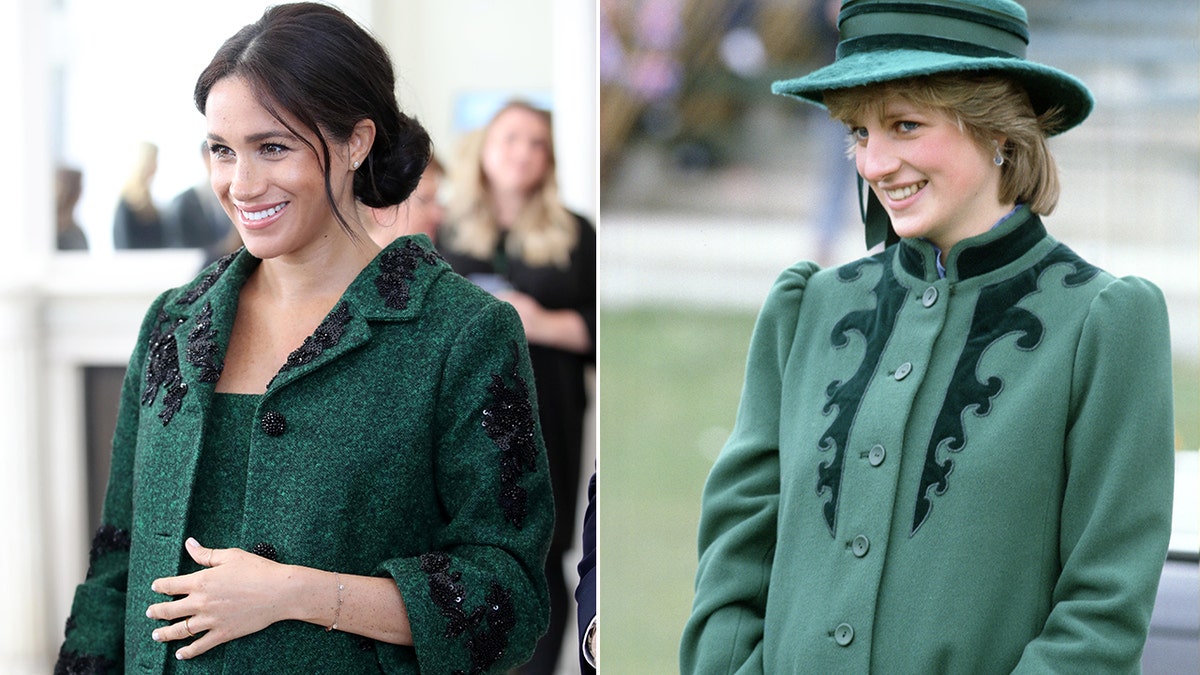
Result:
[[362, 137]]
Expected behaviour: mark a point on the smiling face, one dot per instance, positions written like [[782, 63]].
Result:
[[270, 182], [516, 151], [933, 178]]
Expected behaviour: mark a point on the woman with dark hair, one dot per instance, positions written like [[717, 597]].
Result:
[[953, 456], [508, 230], [327, 457]]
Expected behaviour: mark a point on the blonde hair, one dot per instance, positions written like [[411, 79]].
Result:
[[987, 106], [544, 232], [136, 190]]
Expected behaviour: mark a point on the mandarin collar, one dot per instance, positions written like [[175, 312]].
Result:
[[974, 256]]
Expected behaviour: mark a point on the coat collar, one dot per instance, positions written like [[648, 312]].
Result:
[[392, 287], [976, 256]]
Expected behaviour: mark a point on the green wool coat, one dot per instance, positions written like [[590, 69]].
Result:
[[969, 474], [400, 440]]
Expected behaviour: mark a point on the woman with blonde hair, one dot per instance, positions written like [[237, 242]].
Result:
[[507, 230], [953, 456], [137, 222]]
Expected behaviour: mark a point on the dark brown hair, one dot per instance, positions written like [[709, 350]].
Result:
[[317, 65]]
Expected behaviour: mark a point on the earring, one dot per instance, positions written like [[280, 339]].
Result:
[[355, 164], [998, 160]]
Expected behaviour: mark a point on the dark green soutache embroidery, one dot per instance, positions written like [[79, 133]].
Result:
[[844, 398], [997, 314]]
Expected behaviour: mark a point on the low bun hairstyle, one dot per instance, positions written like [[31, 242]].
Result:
[[317, 65]]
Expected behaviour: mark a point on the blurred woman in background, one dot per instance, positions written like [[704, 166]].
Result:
[[507, 230], [137, 222]]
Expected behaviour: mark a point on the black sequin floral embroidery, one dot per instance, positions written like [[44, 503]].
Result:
[[108, 539], [508, 421], [202, 349], [74, 663], [398, 267], [487, 627], [326, 336], [162, 369], [207, 282]]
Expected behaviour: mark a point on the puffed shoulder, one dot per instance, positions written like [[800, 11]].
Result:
[[1129, 310], [789, 287], [777, 320]]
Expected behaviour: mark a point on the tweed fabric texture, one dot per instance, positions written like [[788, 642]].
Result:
[[368, 455]]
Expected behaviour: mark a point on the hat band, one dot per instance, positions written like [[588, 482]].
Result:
[[918, 42], [915, 27]]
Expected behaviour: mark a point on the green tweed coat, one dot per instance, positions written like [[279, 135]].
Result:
[[400, 440], [969, 474]]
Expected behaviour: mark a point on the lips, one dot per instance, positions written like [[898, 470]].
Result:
[[260, 216], [905, 192]]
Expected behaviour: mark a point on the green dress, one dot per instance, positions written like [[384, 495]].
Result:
[[218, 499]]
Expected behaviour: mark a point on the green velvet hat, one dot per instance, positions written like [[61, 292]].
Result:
[[883, 40]]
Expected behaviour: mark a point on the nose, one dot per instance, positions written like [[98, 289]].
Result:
[[876, 160], [245, 182]]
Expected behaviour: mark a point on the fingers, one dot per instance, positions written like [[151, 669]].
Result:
[[191, 628], [203, 556]]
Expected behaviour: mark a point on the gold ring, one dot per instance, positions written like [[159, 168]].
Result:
[[188, 628]]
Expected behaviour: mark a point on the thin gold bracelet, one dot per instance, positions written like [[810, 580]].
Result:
[[337, 613]]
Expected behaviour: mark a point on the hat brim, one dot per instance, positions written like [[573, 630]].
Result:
[[1047, 87]]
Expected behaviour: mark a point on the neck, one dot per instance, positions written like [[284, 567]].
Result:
[[317, 275], [507, 207]]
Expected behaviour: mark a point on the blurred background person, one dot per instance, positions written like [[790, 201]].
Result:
[[421, 213], [507, 230], [137, 222], [194, 218], [68, 190]]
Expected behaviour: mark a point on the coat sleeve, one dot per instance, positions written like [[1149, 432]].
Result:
[[741, 502], [1116, 514], [477, 600], [95, 630]]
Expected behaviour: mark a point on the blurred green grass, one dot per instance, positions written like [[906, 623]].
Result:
[[669, 387]]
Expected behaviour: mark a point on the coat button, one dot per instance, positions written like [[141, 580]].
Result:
[[930, 297], [273, 423], [903, 371], [860, 545], [876, 455], [843, 634], [265, 550]]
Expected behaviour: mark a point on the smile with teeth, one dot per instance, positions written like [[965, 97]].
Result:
[[259, 215], [905, 192]]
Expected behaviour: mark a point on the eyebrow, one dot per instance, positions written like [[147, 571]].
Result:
[[256, 138]]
